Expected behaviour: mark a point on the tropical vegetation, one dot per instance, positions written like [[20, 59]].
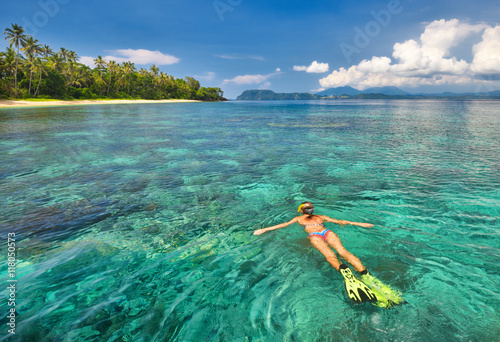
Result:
[[29, 69]]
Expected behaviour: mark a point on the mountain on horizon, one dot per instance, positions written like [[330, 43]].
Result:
[[395, 91], [347, 90], [352, 93], [264, 94], [385, 91]]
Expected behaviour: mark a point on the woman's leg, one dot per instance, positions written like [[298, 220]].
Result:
[[334, 241], [327, 252]]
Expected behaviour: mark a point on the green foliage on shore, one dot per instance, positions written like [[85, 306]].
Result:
[[30, 70]]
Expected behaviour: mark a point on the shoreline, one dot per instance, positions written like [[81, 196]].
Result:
[[54, 103]]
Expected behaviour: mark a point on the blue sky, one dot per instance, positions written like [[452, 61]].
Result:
[[285, 46]]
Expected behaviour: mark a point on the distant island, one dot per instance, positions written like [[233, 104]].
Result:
[[30, 70], [352, 93]]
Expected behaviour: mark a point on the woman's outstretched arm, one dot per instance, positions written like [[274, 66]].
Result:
[[278, 226], [344, 222]]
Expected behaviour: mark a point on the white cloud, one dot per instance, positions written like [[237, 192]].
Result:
[[278, 70], [88, 61], [208, 76], [141, 56], [265, 85], [249, 79], [441, 35], [315, 67], [487, 53], [426, 62], [236, 56], [299, 68], [317, 90]]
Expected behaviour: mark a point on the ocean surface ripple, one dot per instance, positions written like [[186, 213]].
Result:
[[134, 222]]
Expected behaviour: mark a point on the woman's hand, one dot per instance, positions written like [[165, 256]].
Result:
[[365, 225], [259, 231]]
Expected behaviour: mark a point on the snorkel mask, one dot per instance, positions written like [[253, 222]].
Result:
[[306, 208]]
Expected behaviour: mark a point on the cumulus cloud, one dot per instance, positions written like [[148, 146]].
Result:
[[487, 53], [88, 61], [315, 67], [141, 56], [299, 68], [427, 61], [249, 79]]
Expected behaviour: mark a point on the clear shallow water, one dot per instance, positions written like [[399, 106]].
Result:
[[134, 222]]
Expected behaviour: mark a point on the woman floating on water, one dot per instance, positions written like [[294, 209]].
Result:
[[323, 239]]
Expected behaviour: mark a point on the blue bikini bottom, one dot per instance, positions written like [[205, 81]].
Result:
[[321, 234]]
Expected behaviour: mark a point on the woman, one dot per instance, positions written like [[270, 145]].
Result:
[[323, 239]]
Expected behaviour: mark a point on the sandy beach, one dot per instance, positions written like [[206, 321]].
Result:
[[21, 103]]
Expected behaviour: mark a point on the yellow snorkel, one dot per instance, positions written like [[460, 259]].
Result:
[[306, 208]]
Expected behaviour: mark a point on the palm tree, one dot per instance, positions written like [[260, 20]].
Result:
[[154, 70], [77, 78], [100, 65], [16, 37], [47, 51], [39, 67], [6, 59], [63, 53], [9, 60], [70, 57], [55, 62], [32, 50], [73, 57], [111, 70], [121, 79], [128, 69]]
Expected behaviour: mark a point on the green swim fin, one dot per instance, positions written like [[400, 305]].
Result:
[[387, 297], [356, 290]]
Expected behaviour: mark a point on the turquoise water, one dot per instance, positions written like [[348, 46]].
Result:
[[134, 222]]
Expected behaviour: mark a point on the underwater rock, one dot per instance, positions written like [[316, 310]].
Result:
[[134, 186], [33, 247], [59, 222], [170, 181], [151, 207]]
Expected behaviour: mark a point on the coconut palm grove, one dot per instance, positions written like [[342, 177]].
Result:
[[29, 69]]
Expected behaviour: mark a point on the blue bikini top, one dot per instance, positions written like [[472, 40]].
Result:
[[313, 224]]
